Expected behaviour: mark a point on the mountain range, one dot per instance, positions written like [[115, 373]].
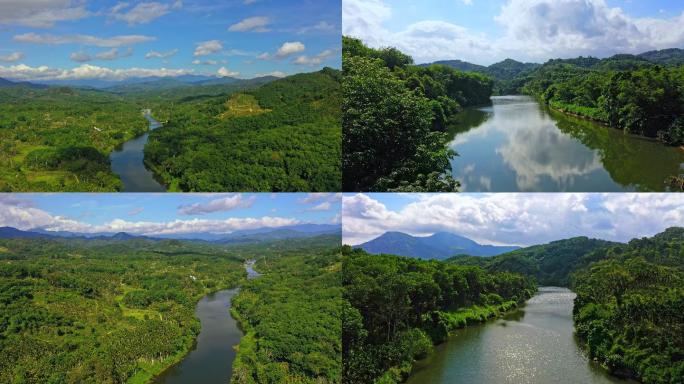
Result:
[[440, 246], [138, 83], [242, 236], [510, 69]]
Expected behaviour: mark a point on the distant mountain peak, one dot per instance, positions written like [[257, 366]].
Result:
[[440, 245]]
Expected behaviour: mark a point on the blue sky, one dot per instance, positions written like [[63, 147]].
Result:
[[240, 38], [166, 213], [486, 31], [511, 218]]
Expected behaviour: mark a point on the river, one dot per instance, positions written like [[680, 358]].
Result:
[[516, 144], [127, 162], [534, 344], [211, 360]]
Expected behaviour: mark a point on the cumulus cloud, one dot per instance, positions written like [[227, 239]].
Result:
[[251, 24], [80, 57], [321, 26], [142, 13], [534, 30], [223, 204], [274, 74], [315, 60], [160, 55], [520, 219], [208, 47], [205, 62], [225, 72], [40, 13], [85, 71], [289, 48], [22, 214], [108, 42], [12, 57], [114, 54]]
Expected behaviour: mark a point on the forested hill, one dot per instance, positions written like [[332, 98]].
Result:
[[504, 70], [397, 308], [549, 264], [630, 307], [441, 245], [395, 115], [282, 136]]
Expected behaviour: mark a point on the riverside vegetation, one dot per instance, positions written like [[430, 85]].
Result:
[[628, 312], [122, 311], [629, 309], [395, 112], [264, 134]]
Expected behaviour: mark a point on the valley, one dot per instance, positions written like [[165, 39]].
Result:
[[75, 308], [419, 319], [567, 125], [92, 136]]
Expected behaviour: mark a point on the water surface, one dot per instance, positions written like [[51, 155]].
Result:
[[127, 162], [518, 145], [535, 344], [211, 360]]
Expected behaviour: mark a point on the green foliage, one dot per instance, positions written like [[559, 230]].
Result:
[[293, 144], [393, 115], [630, 94], [629, 308], [74, 311], [548, 264], [398, 307], [58, 139], [292, 319]]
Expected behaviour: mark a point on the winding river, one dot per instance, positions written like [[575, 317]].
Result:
[[211, 360], [516, 144], [127, 162], [534, 344]]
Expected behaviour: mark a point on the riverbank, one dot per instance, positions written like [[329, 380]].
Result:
[[456, 320], [534, 344]]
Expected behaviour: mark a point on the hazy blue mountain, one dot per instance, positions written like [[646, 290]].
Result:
[[244, 236], [441, 245]]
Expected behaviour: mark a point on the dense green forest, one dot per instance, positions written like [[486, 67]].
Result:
[[74, 310], [282, 136], [395, 115], [629, 308], [78, 311], [263, 134], [398, 308], [59, 139], [549, 264], [292, 319]]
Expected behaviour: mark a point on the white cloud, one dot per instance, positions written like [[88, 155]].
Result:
[[114, 54], [85, 71], [534, 30], [251, 24], [510, 218], [289, 48], [467, 2], [223, 204], [225, 72], [264, 56], [314, 60], [160, 55], [321, 26], [40, 13], [19, 213], [109, 42], [136, 211], [205, 62], [142, 13], [12, 57], [208, 47], [274, 74], [325, 206], [80, 57]]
